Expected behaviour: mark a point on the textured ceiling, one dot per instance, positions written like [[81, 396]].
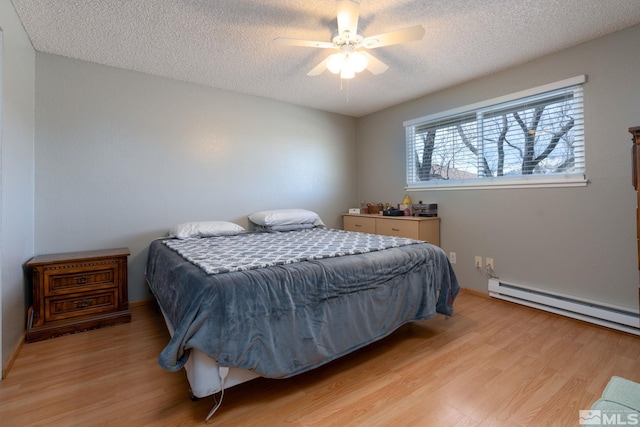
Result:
[[228, 44]]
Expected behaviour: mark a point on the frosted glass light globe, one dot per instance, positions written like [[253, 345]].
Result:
[[335, 63], [357, 61]]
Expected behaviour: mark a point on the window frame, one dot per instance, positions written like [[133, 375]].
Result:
[[574, 179]]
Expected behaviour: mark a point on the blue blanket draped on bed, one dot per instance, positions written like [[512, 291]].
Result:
[[286, 319]]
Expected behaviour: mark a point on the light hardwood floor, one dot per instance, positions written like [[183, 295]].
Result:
[[492, 364]]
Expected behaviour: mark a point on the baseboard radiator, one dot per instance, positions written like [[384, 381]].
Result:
[[620, 318]]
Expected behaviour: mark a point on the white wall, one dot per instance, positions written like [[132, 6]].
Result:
[[123, 156], [16, 174], [579, 241]]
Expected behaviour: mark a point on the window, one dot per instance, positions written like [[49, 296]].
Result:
[[531, 138]]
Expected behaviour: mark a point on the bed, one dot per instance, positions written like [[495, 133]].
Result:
[[287, 298]]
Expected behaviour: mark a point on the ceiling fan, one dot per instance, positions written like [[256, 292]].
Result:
[[351, 45]]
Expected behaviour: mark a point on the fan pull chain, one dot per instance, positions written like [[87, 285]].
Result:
[[341, 88]]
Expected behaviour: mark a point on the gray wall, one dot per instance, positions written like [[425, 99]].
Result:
[[16, 175], [578, 241], [123, 156]]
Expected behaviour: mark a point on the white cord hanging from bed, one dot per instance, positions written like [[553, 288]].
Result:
[[223, 371]]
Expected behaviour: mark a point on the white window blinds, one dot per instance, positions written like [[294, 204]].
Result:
[[531, 138]]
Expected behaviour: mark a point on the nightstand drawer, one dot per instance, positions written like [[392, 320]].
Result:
[[80, 304], [362, 224], [399, 228], [74, 278]]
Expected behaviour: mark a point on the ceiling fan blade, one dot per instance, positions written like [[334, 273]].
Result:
[[319, 69], [305, 43], [348, 11], [404, 35], [374, 65]]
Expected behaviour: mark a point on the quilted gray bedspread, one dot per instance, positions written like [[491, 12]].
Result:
[[289, 317]]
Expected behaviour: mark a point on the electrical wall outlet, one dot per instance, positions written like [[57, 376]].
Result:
[[489, 263], [452, 257], [478, 261]]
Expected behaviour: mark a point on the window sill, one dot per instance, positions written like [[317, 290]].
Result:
[[501, 183]]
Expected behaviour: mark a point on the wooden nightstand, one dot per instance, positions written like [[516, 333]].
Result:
[[77, 291]]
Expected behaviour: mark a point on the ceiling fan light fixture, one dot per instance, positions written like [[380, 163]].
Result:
[[347, 64], [351, 44]]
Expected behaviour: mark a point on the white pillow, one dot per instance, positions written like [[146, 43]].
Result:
[[204, 229], [285, 217]]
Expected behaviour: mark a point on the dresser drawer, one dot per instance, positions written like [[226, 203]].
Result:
[[398, 228], [70, 278], [362, 224], [80, 304], [419, 228]]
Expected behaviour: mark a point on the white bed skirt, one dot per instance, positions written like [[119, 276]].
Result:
[[203, 374]]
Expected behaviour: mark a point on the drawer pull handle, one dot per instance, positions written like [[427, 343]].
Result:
[[81, 280], [84, 302], [395, 229], [358, 225]]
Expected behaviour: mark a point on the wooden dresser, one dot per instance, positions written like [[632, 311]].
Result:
[[77, 291], [414, 227], [635, 153]]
